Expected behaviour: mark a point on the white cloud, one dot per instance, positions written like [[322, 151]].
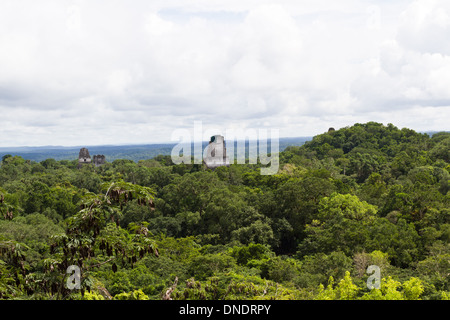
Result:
[[82, 72], [425, 26]]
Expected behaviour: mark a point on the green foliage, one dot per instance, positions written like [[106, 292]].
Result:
[[135, 295], [363, 195], [394, 290], [208, 265], [342, 224], [88, 295], [232, 286], [318, 268], [344, 290], [244, 254]]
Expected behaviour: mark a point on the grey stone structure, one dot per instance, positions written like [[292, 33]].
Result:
[[216, 153], [99, 159], [85, 159]]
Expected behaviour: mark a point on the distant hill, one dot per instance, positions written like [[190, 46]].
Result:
[[131, 152]]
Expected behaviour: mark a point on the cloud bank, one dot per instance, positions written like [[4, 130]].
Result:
[[119, 72]]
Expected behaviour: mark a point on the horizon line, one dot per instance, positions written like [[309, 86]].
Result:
[[171, 142], [128, 144]]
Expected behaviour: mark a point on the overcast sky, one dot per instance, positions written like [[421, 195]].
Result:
[[117, 72]]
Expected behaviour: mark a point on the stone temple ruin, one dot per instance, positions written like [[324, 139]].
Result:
[[99, 159], [85, 159], [216, 153]]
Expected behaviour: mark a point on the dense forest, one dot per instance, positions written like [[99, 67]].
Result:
[[364, 195]]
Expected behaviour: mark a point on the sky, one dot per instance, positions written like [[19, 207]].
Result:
[[96, 72]]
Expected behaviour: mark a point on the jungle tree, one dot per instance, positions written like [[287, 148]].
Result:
[[93, 238]]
